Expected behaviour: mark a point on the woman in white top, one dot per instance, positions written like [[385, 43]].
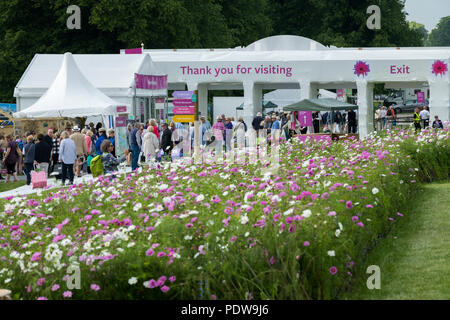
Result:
[[150, 145], [383, 114], [239, 132]]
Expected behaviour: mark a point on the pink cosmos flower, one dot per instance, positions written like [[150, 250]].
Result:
[[333, 270], [40, 281], [161, 254], [67, 294], [165, 289], [233, 238], [276, 217], [355, 218], [292, 228], [149, 252], [188, 225], [172, 279], [349, 204], [439, 68], [36, 256], [360, 224], [332, 213], [306, 244], [361, 68], [42, 298], [55, 287], [95, 287], [399, 214]]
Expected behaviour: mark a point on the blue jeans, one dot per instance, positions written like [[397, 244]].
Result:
[[135, 150]]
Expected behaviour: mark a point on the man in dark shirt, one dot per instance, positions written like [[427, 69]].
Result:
[[42, 153], [166, 139], [49, 139], [351, 116], [256, 123]]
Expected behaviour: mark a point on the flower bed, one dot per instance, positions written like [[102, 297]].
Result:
[[219, 231]]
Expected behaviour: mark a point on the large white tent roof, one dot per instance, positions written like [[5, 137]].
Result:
[[70, 95], [284, 97]]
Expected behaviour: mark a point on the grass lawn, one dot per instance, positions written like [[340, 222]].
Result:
[[11, 185], [414, 258]]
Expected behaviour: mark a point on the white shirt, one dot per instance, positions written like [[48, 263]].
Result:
[[424, 114]]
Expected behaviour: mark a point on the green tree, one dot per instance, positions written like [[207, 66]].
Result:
[[343, 23], [421, 28], [440, 36]]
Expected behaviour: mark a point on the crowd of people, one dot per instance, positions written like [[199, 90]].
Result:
[[69, 153], [386, 118], [66, 153]]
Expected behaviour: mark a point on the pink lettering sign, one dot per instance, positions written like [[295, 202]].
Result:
[[183, 102], [400, 70], [183, 110]]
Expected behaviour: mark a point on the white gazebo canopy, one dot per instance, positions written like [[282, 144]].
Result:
[[71, 95]]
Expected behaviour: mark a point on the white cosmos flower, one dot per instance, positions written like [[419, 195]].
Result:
[[132, 280], [341, 226], [244, 219], [137, 206], [375, 190], [331, 253], [200, 197], [306, 213], [337, 233], [288, 212]]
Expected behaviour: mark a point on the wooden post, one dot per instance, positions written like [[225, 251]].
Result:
[[196, 127]]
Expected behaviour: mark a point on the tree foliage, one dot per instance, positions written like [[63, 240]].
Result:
[[440, 36], [28, 27]]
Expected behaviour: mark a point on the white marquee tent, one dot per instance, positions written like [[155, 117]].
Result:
[[70, 95]]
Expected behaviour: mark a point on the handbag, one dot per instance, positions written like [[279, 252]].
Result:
[[39, 179]]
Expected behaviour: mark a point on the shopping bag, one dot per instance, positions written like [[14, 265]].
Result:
[[39, 179]]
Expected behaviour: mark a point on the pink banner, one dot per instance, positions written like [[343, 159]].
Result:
[[183, 103], [183, 110], [121, 109], [121, 122], [133, 51], [149, 82], [340, 93], [420, 97], [305, 118]]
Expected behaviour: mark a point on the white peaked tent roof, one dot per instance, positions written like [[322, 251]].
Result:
[[70, 95]]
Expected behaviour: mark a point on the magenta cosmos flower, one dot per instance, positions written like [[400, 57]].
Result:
[[333, 270], [361, 68], [67, 294], [439, 68], [349, 204]]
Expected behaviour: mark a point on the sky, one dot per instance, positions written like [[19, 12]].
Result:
[[427, 12]]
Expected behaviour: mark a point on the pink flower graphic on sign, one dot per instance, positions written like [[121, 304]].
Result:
[[361, 68], [439, 68]]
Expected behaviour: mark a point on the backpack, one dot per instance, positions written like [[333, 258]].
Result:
[[97, 166]]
